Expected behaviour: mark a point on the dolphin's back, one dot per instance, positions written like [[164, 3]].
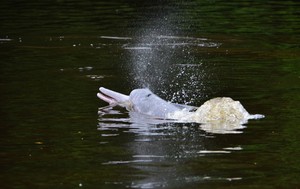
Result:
[[146, 102]]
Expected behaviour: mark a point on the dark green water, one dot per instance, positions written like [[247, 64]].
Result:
[[56, 54]]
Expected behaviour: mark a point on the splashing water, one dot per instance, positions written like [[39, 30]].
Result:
[[152, 63], [218, 111]]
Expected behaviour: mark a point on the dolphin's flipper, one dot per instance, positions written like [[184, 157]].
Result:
[[112, 97]]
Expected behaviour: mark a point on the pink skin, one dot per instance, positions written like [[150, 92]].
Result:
[[110, 101], [112, 97]]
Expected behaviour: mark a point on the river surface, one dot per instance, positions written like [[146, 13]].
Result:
[[56, 54]]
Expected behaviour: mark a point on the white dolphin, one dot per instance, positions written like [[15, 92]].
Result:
[[221, 110], [142, 101]]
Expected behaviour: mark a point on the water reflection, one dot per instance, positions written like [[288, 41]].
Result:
[[157, 145], [111, 117]]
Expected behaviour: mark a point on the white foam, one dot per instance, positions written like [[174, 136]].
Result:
[[218, 115]]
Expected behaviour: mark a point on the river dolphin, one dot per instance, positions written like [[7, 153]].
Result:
[[142, 101], [221, 109]]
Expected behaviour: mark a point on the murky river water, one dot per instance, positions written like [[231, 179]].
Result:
[[56, 54]]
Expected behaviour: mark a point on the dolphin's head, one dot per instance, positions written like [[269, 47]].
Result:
[[144, 101], [141, 95], [144, 97]]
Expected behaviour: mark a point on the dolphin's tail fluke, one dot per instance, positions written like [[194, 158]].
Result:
[[112, 97]]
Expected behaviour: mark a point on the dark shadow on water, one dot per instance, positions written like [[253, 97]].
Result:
[[156, 146]]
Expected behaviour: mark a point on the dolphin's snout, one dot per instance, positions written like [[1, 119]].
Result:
[[112, 97], [110, 101]]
